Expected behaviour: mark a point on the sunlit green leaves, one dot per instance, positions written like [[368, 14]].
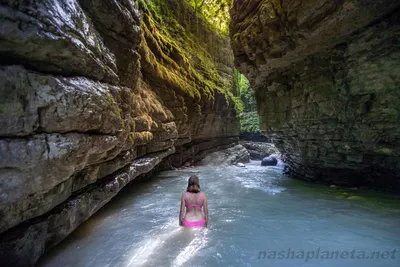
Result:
[[215, 11]]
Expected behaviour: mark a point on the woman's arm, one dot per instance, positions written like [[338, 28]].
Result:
[[205, 209], [182, 211]]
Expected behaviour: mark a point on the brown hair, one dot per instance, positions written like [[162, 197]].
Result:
[[193, 184]]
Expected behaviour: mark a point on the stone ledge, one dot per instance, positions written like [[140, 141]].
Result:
[[24, 244]]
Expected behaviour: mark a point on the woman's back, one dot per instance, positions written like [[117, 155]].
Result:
[[194, 204], [194, 209], [194, 200]]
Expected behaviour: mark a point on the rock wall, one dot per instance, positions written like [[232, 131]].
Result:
[[259, 150], [229, 156], [94, 93], [327, 77]]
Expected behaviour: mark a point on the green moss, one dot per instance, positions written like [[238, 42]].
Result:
[[132, 137], [185, 60], [116, 109], [78, 22], [238, 104], [386, 150], [364, 197]]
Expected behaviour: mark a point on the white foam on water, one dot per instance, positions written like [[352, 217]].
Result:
[[190, 250], [259, 182], [151, 244]]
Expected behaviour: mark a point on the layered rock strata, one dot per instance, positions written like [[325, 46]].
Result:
[[326, 75], [93, 94]]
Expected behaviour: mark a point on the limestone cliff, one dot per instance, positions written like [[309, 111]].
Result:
[[327, 77], [94, 93]]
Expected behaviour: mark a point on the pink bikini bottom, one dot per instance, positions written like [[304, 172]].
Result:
[[200, 223]]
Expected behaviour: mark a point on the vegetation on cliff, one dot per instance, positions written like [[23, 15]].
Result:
[[215, 11], [249, 119], [184, 61], [186, 51]]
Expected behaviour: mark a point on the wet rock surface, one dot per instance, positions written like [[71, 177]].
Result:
[[326, 77], [229, 156], [23, 245], [269, 161], [254, 137], [259, 150], [93, 94]]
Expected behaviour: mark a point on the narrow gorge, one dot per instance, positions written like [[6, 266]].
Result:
[[95, 94], [327, 76]]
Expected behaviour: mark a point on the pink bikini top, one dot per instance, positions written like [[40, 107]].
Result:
[[194, 205]]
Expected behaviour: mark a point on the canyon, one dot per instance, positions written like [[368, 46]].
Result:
[[95, 94], [326, 76]]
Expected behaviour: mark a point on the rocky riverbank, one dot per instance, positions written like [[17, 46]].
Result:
[[326, 76], [94, 94], [259, 150]]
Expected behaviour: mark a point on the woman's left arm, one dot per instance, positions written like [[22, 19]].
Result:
[[205, 204], [182, 211]]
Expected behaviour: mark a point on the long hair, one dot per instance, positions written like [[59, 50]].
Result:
[[193, 184]]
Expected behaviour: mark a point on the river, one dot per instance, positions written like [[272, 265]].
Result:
[[258, 217]]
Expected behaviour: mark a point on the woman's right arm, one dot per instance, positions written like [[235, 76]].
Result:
[[182, 211], [205, 209]]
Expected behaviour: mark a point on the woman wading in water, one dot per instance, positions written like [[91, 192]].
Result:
[[194, 201]]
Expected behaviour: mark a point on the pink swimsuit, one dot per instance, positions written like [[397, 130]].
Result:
[[200, 223]]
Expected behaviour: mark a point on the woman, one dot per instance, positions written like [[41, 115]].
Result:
[[193, 200]]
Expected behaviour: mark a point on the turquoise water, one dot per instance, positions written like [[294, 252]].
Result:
[[258, 217]]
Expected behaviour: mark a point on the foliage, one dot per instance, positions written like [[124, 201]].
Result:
[[250, 122], [215, 11], [186, 51], [174, 53], [238, 104], [249, 119], [241, 84], [249, 100]]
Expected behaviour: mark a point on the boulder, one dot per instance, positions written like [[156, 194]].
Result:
[[228, 156], [269, 161], [259, 150]]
